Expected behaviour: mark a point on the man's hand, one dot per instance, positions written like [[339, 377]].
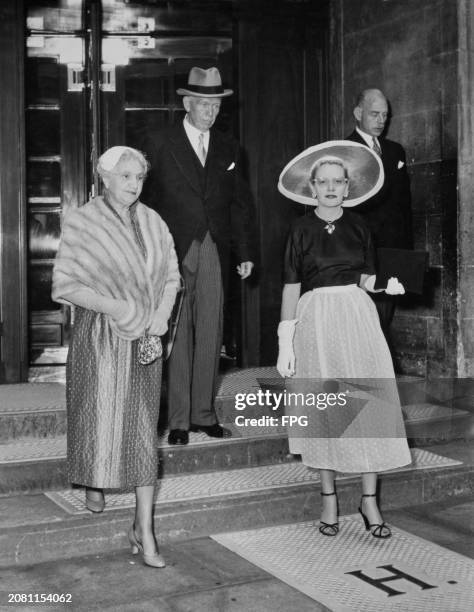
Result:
[[245, 269]]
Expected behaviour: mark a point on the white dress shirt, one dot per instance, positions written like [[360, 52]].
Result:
[[368, 138], [193, 136]]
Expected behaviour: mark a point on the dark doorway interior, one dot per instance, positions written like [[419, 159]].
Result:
[[100, 73]]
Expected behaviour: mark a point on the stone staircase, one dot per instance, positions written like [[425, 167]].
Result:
[[209, 485]]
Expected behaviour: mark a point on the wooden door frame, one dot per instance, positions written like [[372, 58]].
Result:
[[13, 236], [316, 118]]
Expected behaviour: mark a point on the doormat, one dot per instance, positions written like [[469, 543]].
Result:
[[355, 572], [230, 482]]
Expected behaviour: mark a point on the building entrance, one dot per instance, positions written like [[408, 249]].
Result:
[[98, 74]]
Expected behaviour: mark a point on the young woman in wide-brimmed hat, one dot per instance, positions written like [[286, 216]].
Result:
[[330, 329]]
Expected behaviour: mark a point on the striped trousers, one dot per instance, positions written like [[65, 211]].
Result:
[[194, 361]]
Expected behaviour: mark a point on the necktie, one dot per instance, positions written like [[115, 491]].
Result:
[[202, 153], [376, 146]]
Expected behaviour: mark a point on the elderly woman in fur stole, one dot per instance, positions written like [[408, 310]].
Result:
[[117, 265]]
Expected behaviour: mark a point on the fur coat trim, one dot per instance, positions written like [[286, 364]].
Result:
[[99, 251]]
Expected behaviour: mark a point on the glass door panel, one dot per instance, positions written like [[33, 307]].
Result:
[[54, 15], [54, 51], [100, 74], [165, 16]]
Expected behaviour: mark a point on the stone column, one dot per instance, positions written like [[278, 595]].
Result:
[[466, 188]]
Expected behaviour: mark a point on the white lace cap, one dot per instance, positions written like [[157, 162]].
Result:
[[108, 160]]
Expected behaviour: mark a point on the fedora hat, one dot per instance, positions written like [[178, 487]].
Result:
[[364, 167], [204, 84]]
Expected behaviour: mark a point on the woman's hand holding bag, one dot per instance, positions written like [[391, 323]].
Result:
[[394, 287], [286, 353]]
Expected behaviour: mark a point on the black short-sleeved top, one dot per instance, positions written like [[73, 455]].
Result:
[[316, 258]]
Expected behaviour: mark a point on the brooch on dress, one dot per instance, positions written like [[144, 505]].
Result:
[[330, 227]]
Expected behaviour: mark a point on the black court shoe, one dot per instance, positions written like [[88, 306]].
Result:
[[329, 529], [178, 436], [214, 431], [378, 530]]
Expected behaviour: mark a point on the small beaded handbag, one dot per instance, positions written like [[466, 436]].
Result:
[[149, 349]]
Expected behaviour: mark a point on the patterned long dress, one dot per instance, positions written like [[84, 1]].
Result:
[[112, 400], [112, 408]]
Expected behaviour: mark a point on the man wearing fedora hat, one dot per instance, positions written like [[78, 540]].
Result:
[[196, 185]]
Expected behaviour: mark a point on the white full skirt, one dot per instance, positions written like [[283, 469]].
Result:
[[338, 338]]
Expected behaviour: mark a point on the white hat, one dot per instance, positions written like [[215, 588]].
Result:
[[365, 169], [109, 159]]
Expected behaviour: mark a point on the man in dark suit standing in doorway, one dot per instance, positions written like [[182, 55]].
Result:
[[195, 184], [388, 213]]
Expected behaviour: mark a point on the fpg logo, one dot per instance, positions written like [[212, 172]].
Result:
[[292, 420]]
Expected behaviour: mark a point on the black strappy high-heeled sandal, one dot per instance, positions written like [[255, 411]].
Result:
[[329, 529], [378, 530]]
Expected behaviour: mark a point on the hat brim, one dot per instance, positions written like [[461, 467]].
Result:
[[366, 174], [189, 92]]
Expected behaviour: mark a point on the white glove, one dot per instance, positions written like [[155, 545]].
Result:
[[369, 284], [394, 287], [286, 354]]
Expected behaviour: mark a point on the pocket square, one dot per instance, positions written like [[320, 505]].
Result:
[[231, 167], [400, 164]]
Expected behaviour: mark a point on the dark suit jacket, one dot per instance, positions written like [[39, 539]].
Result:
[[193, 200], [388, 213]]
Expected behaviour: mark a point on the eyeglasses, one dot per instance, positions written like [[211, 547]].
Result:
[[338, 182]]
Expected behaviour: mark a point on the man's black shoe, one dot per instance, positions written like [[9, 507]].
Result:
[[178, 436], [215, 431]]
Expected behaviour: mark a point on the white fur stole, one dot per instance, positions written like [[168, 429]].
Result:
[[98, 251]]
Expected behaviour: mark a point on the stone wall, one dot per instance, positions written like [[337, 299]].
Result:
[[409, 49], [466, 188]]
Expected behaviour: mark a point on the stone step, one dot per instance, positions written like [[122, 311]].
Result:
[[422, 420], [37, 410], [33, 424], [40, 464], [37, 464], [428, 424], [39, 527], [32, 410]]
